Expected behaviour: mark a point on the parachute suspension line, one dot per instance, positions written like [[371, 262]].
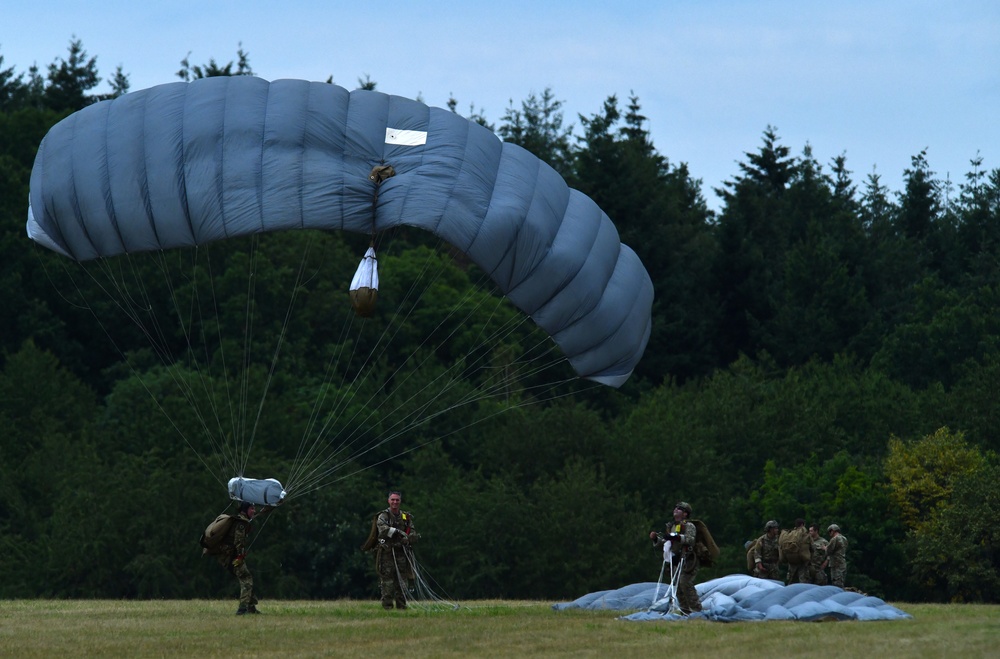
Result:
[[222, 447], [259, 530], [363, 301], [382, 344], [420, 416], [240, 438], [334, 452], [412, 420], [194, 317], [426, 419], [302, 454], [296, 286], [129, 310], [321, 482], [191, 361], [675, 573], [420, 595], [154, 332], [305, 456], [659, 580], [187, 320]]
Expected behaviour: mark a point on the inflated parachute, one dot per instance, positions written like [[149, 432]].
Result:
[[183, 164]]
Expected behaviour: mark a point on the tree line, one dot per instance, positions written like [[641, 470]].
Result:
[[821, 349]]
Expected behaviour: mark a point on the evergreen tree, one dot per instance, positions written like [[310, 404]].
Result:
[[538, 127], [823, 304], [753, 237], [978, 207], [212, 69], [70, 80], [659, 212], [13, 91]]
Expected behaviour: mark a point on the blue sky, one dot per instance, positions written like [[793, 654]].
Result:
[[877, 81]]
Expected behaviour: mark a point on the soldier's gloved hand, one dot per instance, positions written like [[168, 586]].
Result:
[[406, 539]]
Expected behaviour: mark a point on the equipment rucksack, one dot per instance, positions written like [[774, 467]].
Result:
[[215, 533], [794, 546], [704, 545]]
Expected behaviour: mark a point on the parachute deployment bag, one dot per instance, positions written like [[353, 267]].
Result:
[[794, 546], [215, 533], [704, 545]]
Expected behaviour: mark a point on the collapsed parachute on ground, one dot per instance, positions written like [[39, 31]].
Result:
[[184, 164], [739, 597]]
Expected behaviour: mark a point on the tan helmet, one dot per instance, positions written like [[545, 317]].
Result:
[[833, 527], [771, 525], [685, 506]]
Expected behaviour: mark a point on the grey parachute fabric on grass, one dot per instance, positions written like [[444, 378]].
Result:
[[184, 164], [738, 597]]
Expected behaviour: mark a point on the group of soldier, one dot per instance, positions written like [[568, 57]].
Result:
[[393, 535], [807, 555], [823, 554], [391, 540]]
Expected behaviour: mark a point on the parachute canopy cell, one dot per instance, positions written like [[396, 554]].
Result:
[[183, 164]]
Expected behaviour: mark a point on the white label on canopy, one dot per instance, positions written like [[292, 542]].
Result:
[[405, 137]]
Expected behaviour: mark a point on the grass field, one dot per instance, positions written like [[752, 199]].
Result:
[[200, 628]]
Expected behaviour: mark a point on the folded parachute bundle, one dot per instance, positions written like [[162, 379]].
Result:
[[264, 492]]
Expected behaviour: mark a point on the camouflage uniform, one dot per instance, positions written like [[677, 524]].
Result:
[[817, 574], [687, 596], [797, 574], [233, 547], [393, 559], [766, 553], [836, 556]]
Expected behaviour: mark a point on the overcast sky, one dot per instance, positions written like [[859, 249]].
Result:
[[876, 80]]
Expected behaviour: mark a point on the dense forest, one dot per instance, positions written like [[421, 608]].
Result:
[[822, 347]]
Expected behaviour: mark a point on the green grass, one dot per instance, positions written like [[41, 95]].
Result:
[[199, 628]]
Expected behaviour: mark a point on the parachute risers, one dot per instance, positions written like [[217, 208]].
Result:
[[265, 492], [364, 286]]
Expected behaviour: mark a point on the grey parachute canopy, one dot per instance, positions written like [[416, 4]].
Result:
[[738, 597], [183, 164]]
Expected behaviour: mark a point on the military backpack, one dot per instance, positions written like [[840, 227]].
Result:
[[704, 545], [215, 533], [794, 546]]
